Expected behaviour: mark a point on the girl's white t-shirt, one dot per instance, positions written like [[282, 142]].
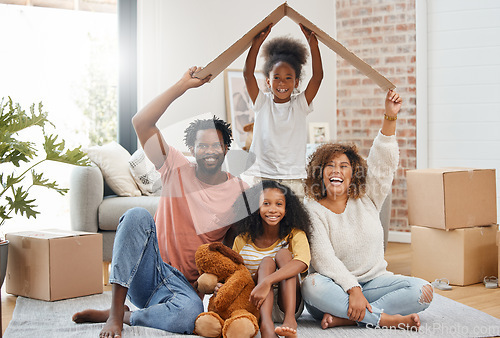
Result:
[[279, 137]]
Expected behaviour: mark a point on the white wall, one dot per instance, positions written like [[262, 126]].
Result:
[[463, 88], [174, 35]]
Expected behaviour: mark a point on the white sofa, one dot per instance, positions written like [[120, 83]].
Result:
[[95, 208]]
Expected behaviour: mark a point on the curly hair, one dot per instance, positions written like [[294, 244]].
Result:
[[285, 49], [314, 186], [213, 123], [250, 223]]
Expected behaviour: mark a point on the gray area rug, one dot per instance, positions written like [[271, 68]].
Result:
[[444, 318]]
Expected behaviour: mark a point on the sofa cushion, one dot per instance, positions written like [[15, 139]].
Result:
[[112, 159], [113, 207], [147, 178]]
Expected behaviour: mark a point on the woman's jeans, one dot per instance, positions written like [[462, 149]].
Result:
[[163, 295], [392, 294]]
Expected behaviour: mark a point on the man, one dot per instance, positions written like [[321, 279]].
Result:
[[153, 260]]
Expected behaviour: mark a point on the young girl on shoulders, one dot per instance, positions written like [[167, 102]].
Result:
[[280, 133], [273, 243]]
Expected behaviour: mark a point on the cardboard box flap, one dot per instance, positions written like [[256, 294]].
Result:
[[51, 233], [232, 53], [68, 233], [446, 170], [498, 240]]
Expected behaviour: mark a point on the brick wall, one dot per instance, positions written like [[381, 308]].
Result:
[[382, 33]]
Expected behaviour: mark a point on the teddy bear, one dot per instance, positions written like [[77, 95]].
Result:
[[230, 312]]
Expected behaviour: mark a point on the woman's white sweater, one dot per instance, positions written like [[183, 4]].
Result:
[[349, 247]]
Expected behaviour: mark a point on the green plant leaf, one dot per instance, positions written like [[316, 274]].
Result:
[[3, 214], [12, 179], [43, 182], [15, 151], [14, 191], [9, 182], [16, 119], [21, 204], [55, 152], [12, 120]]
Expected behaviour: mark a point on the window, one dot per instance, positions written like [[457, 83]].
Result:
[[68, 59]]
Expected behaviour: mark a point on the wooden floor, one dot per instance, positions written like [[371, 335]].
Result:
[[398, 257]]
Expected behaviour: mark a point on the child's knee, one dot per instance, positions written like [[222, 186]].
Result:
[[267, 264], [282, 257]]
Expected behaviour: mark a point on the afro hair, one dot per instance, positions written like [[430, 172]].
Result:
[[213, 123], [285, 49]]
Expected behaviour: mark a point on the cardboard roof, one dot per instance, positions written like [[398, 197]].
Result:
[[229, 55]]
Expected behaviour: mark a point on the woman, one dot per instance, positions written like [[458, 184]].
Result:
[[350, 283]]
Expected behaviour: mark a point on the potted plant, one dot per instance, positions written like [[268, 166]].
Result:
[[18, 159]]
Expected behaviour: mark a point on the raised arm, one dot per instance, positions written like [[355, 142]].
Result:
[[145, 120], [383, 158], [317, 66], [248, 71], [392, 106]]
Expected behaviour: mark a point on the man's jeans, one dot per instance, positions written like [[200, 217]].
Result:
[[163, 295]]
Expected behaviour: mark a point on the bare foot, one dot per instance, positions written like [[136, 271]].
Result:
[[93, 316], [332, 321], [267, 329], [408, 322], [113, 328], [285, 331]]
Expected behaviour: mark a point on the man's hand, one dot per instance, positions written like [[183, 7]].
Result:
[[191, 81]]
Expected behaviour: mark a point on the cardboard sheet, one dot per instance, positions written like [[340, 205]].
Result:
[[232, 53]]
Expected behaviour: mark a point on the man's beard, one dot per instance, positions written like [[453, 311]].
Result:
[[209, 170]]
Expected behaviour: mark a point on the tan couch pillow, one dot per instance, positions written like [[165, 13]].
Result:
[[112, 159]]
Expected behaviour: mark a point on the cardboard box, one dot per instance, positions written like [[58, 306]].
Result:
[[450, 198], [54, 264], [236, 49], [498, 244], [463, 256]]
